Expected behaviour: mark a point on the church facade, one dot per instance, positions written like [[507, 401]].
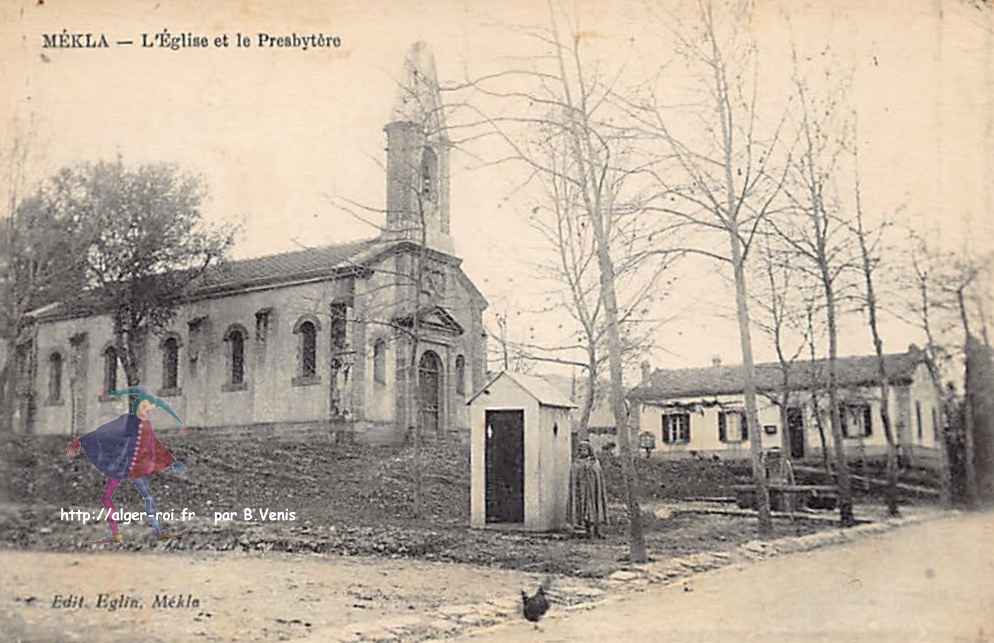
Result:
[[351, 337]]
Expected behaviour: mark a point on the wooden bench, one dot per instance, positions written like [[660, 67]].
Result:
[[784, 496]]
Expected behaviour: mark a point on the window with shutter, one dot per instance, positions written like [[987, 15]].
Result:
[[867, 421], [676, 428], [732, 426]]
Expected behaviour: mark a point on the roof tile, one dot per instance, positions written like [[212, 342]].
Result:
[[728, 380]]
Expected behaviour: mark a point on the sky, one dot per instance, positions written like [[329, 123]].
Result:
[[280, 134]]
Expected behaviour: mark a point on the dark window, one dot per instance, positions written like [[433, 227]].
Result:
[[55, 377], [236, 350], [461, 375], [676, 428], [110, 369], [308, 349], [170, 363], [380, 361], [857, 420], [262, 324], [918, 415]]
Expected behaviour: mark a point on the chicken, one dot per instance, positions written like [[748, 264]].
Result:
[[535, 606]]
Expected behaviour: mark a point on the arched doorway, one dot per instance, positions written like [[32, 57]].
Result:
[[430, 380]]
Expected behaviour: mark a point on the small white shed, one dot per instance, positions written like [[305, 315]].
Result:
[[520, 454]]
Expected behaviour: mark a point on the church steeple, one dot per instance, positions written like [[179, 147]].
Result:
[[418, 155]]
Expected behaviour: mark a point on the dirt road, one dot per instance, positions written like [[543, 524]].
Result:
[[224, 597], [929, 583]]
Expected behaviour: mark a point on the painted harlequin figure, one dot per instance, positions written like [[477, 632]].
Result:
[[127, 448]]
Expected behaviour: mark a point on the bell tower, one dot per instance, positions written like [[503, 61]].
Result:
[[418, 156]]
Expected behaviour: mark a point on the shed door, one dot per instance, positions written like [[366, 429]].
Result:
[[505, 466]]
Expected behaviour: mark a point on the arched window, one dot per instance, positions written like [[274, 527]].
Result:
[[308, 349], [380, 361], [110, 369], [55, 378], [306, 329], [429, 174], [235, 338], [461, 375], [170, 363]]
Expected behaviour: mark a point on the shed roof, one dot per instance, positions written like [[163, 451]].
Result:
[[538, 388]]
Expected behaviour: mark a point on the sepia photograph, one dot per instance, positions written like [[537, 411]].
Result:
[[652, 320]]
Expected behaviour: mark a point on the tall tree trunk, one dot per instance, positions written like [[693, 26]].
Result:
[[878, 346], [7, 394], [785, 437], [583, 430], [636, 542], [846, 516], [970, 465], [815, 405], [414, 378], [752, 416], [946, 480]]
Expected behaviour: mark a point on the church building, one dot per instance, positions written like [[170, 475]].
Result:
[[319, 338]]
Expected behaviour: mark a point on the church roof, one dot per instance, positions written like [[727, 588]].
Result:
[[284, 266], [268, 270], [245, 273]]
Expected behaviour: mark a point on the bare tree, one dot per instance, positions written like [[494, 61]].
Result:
[[729, 186], [577, 115], [781, 318], [817, 383], [956, 284], [870, 261], [819, 239], [561, 219], [924, 309]]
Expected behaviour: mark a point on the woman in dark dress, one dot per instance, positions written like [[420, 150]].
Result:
[[588, 497]]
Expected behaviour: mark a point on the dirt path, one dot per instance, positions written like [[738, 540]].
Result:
[[244, 597], [927, 583]]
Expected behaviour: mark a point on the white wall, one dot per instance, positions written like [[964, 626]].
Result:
[[704, 420], [547, 455], [269, 395], [704, 426], [554, 472]]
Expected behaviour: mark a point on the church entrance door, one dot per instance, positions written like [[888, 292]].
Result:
[[430, 380]]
